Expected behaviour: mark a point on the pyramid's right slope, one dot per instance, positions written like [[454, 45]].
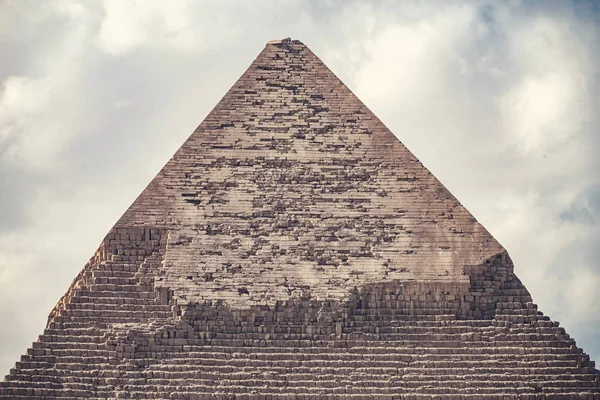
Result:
[[294, 248]]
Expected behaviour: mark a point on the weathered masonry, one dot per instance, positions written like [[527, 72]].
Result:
[[294, 248]]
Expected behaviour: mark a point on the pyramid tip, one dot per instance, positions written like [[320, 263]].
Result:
[[283, 41]]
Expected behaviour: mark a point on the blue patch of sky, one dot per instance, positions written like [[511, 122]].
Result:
[[585, 211]]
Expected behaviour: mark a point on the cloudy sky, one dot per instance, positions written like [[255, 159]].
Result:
[[500, 100]]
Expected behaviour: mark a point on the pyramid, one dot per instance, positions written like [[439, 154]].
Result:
[[294, 248]]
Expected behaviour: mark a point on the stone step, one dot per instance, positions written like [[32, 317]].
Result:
[[103, 307], [418, 312], [142, 293], [117, 300], [118, 288], [301, 383], [115, 280], [117, 314], [82, 321], [363, 339], [220, 395], [454, 324], [69, 362], [331, 354], [382, 361], [101, 273], [172, 355], [68, 324], [192, 391]]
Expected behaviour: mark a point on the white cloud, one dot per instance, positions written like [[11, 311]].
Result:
[[407, 61], [550, 104], [27, 137], [34, 109], [583, 294], [129, 24]]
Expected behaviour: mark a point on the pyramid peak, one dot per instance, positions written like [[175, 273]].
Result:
[[282, 41]]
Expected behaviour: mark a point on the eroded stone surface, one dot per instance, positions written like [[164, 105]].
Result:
[[294, 248], [292, 183]]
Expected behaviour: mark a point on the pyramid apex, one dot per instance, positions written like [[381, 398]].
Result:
[[283, 41]]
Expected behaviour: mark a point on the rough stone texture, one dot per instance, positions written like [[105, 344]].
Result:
[[294, 248]]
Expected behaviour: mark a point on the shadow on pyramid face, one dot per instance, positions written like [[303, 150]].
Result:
[[293, 247]]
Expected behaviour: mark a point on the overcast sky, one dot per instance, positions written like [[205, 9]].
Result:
[[500, 100]]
